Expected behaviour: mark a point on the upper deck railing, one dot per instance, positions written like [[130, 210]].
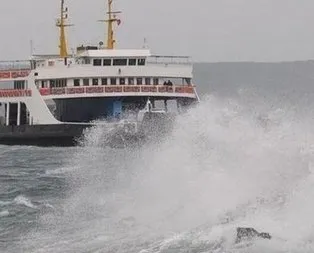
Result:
[[125, 89], [15, 65], [14, 69], [160, 59]]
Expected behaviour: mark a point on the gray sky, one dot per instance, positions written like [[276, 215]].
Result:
[[208, 30]]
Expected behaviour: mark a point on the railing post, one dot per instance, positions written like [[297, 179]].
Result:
[[18, 121], [166, 105], [7, 122]]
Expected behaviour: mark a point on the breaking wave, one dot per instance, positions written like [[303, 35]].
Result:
[[226, 164], [22, 200]]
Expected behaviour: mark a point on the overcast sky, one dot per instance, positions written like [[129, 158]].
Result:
[[207, 30]]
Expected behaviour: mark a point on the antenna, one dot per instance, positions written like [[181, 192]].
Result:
[[112, 18], [61, 23], [31, 44]]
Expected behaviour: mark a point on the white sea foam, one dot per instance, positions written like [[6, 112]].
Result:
[[4, 213], [59, 171], [5, 203], [22, 200]]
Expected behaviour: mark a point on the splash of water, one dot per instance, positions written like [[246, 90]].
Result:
[[223, 166]]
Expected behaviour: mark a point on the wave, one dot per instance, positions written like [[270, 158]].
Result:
[[59, 171], [22, 200], [5, 203], [4, 213], [223, 166]]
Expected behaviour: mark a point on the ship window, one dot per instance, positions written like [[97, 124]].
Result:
[[97, 62], [122, 81], [147, 81], [77, 82], [113, 81], [155, 81], [132, 62], [87, 61], [86, 82], [104, 81], [19, 85], [52, 83], [139, 81], [141, 62], [131, 81], [44, 84], [119, 62], [95, 81], [62, 82], [107, 62]]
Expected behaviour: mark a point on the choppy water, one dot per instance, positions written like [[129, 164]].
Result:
[[246, 161]]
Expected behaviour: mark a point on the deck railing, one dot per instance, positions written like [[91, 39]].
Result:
[[183, 60], [7, 93], [116, 89], [15, 65], [14, 69]]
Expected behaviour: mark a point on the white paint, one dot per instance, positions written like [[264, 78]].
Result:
[[37, 106], [89, 71]]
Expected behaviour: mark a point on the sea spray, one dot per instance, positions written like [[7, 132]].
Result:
[[224, 165]]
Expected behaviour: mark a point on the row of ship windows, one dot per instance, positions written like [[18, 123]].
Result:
[[20, 85], [116, 81], [109, 81], [117, 62]]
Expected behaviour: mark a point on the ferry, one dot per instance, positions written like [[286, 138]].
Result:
[[51, 100]]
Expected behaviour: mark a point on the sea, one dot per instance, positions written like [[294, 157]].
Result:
[[242, 157]]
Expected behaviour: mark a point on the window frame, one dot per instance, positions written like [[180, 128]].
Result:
[[86, 82], [133, 61], [123, 82], [120, 62], [139, 81], [147, 81], [95, 83], [99, 62], [141, 62], [113, 81], [75, 82], [104, 64], [104, 81], [132, 82], [155, 81]]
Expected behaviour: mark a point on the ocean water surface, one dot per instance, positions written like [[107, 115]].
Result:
[[241, 160]]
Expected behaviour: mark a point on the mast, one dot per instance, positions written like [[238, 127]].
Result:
[[111, 20], [61, 23]]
